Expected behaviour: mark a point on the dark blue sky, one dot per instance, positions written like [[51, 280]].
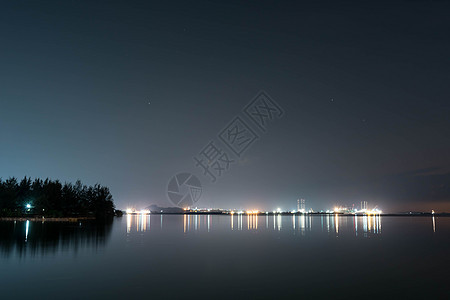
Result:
[[125, 93]]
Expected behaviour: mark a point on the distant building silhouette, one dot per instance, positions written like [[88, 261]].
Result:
[[301, 205], [364, 205]]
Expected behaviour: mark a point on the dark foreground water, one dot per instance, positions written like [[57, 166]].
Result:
[[224, 257]]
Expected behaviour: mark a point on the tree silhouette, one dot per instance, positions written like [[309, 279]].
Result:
[[52, 198]]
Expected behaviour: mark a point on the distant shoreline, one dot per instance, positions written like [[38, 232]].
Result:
[[298, 214], [78, 219]]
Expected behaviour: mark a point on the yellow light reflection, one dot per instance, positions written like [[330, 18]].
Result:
[[128, 223], [232, 222], [141, 222], [252, 221]]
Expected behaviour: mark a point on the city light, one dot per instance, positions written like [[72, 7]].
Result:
[[131, 211], [338, 209], [374, 211]]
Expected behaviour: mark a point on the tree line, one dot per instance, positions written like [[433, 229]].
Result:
[[52, 198]]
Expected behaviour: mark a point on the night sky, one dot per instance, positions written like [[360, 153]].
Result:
[[127, 93]]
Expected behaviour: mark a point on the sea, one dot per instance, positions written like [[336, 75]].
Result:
[[227, 257]]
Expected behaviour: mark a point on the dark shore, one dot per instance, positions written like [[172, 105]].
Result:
[[44, 219]]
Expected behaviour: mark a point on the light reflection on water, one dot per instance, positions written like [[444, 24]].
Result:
[[434, 224], [19, 234], [303, 224], [34, 238], [319, 256]]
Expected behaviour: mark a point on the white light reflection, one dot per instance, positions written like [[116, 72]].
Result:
[[328, 222], [365, 225], [139, 221], [240, 222], [378, 219], [27, 225], [128, 223], [279, 220], [336, 217], [302, 224], [332, 222], [274, 222], [371, 224], [293, 222], [196, 222], [209, 222], [377, 223]]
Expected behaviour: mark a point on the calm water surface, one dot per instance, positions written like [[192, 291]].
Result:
[[212, 257]]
